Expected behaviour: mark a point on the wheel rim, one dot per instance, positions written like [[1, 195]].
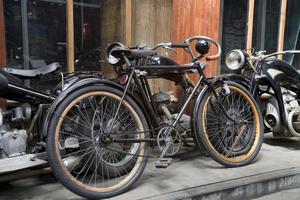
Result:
[[221, 135], [99, 182]]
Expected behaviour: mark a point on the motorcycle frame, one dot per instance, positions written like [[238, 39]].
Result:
[[143, 86], [263, 76]]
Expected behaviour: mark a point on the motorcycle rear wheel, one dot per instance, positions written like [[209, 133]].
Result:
[[228, 143], [101, 168]]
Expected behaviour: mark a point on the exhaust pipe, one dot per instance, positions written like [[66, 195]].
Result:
[[272, 117], [294, 125], [71, 162]]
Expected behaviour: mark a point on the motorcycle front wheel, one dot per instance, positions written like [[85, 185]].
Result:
[[81, 142], [229, 125]]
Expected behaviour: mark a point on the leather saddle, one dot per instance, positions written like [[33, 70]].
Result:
[[32, 73]]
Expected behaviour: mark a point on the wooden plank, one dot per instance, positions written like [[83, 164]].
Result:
[[128, 11], [2, 37], [250, 25], [282, 26], [192, 18], [151, 24], [70, 35]]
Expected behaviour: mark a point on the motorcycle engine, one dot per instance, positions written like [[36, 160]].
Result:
[[292, 112], [13, 143], [13, 139], [167, 108]]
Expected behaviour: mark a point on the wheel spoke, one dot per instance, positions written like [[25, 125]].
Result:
[[95, 161], [223, 134]]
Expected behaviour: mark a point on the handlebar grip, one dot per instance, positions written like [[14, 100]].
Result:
[[214, 57], [133, 47], [179, 45]]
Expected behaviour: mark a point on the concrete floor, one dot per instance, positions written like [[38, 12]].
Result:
[[292, 194], [188, 170]]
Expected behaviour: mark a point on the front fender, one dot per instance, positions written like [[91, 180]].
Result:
[[238, 79], [211, 82], [200, 96], [218, 80]]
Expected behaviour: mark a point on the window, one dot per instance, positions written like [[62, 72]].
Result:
[[234, 29], [266, 25], [36, 32], [269, 25], [292, 29], [32, 40]]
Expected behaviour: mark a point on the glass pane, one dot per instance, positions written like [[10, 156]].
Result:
[[13, 31], [292, 29], [234, 29], [266, 25], [47, 31], [97, 23], [40, 28], [36, 32]]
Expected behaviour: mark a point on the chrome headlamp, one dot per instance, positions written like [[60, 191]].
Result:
[[113, 60], [235, 59]]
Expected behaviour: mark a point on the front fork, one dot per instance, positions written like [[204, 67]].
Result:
[[242, 125], [227, 91]]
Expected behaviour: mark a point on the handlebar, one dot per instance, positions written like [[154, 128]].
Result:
[[179, 45], [171, 45], [208, 58], [279, 53], [186, 46]]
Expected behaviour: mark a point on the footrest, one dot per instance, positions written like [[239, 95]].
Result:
[[163, 163]]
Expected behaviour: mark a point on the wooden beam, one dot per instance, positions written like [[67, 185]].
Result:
[[250, 25], [70, 36], [128, 20], [190, 18], [282, 26]]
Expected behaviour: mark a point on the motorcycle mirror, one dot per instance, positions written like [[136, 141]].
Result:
[[202, 47]]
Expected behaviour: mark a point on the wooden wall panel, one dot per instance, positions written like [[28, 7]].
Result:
[[196, 17], [113, 25], [151, 24]]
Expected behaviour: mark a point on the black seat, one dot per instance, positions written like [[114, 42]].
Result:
[[32, 73]]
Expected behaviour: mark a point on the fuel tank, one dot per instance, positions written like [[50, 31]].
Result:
[[173, 74]]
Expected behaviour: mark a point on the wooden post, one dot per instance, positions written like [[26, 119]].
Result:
[[250, 25], [70, 36], [282, 27], [128, 22]]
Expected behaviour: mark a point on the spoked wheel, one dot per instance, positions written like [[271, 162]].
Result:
[[82, 142], [233, 138]]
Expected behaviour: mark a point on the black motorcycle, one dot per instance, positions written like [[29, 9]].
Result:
[[99, 133], [274, 83], [22, 114]]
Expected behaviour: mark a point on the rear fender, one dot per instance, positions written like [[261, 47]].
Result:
[[86, 83]]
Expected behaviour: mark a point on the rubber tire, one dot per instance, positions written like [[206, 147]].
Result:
[[201, 138], [55, 164]]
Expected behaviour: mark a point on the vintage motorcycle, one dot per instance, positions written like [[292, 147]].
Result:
[[99, 132], [22, 142], [273, 81]]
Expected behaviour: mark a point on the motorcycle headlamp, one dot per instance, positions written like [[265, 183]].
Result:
[[235, 59], [113, 60]]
